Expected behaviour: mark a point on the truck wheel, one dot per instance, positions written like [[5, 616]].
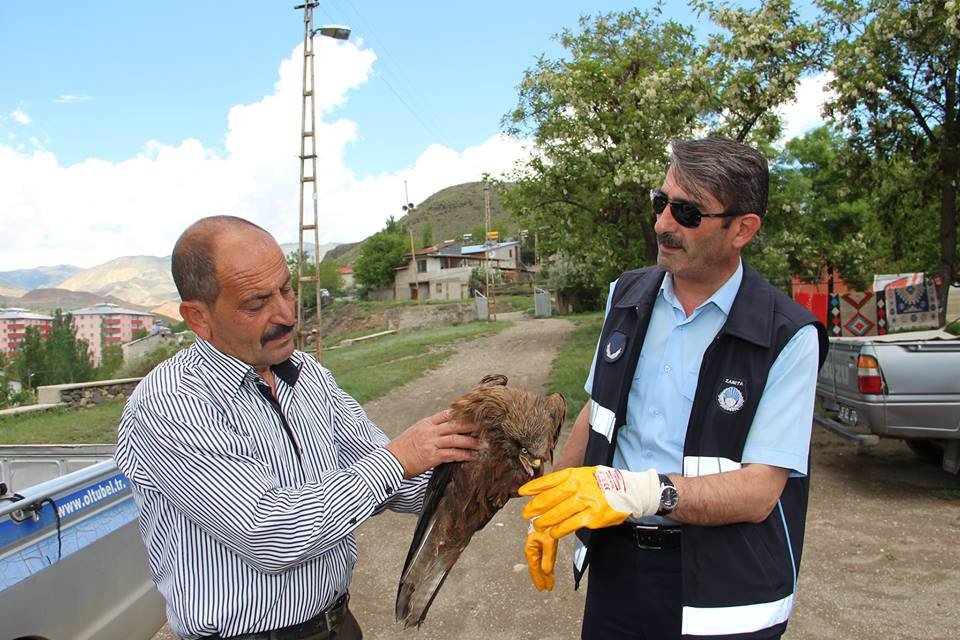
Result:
[[928, 450]]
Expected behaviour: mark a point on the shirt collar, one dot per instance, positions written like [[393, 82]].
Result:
[[231, 372], [722, 298]]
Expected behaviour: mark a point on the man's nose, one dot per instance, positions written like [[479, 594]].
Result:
[[665, 222], [284, 312]]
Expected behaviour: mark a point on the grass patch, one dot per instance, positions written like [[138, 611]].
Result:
[[96, 425], [370, 370], [572, 365], [947, 494]]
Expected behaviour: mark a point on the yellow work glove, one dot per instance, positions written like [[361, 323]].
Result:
[[541, 551], [591, 497]]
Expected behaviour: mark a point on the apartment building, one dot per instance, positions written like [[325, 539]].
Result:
[[13, 325], [107, 324]]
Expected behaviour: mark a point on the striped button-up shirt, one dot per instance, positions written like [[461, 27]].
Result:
[[248, 501]]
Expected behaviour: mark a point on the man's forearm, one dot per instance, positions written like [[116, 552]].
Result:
[[748, 494], [576, 445]]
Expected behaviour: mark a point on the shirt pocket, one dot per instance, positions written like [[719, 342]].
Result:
[[688, 385]]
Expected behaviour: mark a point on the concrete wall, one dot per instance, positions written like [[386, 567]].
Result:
[[433, 315], [83, 394]]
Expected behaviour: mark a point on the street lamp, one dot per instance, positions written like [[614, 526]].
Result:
[[335, 31]]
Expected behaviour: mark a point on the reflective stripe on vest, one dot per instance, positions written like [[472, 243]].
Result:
[[694, 466], [602, 420], [722, 621]]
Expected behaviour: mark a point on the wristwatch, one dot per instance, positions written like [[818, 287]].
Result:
[[669, 497]]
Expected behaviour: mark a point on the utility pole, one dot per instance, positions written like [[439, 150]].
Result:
[[308, 176], [487, 241], [409, 208]]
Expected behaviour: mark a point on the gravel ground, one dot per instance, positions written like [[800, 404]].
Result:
[[881, 555]]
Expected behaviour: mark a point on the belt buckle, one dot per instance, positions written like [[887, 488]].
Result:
[[334, 616], [649, 530]]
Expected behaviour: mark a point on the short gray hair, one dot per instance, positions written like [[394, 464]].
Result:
[[733, 173], [194, 269]]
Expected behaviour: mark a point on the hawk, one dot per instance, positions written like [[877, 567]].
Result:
[[520, 430]]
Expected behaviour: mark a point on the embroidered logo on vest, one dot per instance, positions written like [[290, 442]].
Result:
[[731, 397], [616, 345]]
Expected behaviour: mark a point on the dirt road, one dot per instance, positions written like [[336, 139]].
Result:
[[882, 556]]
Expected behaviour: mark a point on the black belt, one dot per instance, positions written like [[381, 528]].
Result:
[[649, 536], [327, 621]]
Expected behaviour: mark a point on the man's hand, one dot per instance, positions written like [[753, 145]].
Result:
[[541, 551], [433, 441], [591, 497]]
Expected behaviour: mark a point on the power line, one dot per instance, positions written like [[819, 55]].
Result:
[[419, 109]]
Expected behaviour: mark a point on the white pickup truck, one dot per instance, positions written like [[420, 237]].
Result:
[[903, 385], [72, 563]]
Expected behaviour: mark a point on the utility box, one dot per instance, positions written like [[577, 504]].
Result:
[[541, 303], [483, 312]]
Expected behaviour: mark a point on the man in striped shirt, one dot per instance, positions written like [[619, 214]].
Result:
[[250, 466]]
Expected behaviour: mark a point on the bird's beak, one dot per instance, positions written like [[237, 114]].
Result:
[[531, 465]]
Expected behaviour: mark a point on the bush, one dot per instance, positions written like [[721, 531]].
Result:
[[143, 365]]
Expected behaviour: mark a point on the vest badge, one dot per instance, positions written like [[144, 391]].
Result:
[[616, 345], [731, 398]]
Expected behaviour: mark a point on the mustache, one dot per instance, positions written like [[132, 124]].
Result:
[[670, 240], [277, 332]]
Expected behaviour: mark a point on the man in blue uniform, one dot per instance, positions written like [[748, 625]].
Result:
[[685, 476]]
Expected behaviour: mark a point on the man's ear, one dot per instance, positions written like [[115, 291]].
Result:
[[195, 314], [746, 226]]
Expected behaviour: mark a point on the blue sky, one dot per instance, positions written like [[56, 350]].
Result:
[[120, 123]]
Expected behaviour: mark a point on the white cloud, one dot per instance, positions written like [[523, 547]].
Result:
[[93, 211], [69, 98], [804, 113], [20, 116]]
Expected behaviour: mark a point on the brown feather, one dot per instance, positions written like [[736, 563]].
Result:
[[462, 497]]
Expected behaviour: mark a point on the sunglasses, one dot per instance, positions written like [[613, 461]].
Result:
[[686, 214]]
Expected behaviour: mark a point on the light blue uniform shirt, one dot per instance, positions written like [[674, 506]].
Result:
[[665, 382]]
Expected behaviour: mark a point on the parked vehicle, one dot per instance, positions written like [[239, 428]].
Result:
[[72, 562], [904, 386]]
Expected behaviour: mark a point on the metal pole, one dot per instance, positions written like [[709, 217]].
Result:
[[308, 153]]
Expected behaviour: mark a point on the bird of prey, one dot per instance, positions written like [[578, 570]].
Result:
[[520, 430]]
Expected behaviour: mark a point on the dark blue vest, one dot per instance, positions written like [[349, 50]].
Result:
[[744, 572]]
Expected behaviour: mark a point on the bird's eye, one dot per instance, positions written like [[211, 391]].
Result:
[[524, 450]]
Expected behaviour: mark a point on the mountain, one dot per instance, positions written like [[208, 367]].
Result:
[[46, 299], [26, 279], [139, 280], [10, 292], [451, 212]]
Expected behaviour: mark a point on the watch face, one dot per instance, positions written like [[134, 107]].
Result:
[[668, 498]]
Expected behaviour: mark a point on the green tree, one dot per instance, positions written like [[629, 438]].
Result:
[[603, 115], [30, 360], [309, 269], [379, 255], [9, 397], [821, 219], [111, 360], [895, 66], [426, 235], [330, 278], [67, 357]]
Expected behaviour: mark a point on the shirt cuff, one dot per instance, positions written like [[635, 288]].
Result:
[[381, 472]]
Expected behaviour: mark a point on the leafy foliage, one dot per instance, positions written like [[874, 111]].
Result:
[[59, 359], [895, 66], [379, 255], [604, 114]]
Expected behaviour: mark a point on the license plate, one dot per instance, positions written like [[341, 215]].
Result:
[[848, 415]]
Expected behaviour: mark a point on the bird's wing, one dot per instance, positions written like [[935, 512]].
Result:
[[458, 504], [411, 607]]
